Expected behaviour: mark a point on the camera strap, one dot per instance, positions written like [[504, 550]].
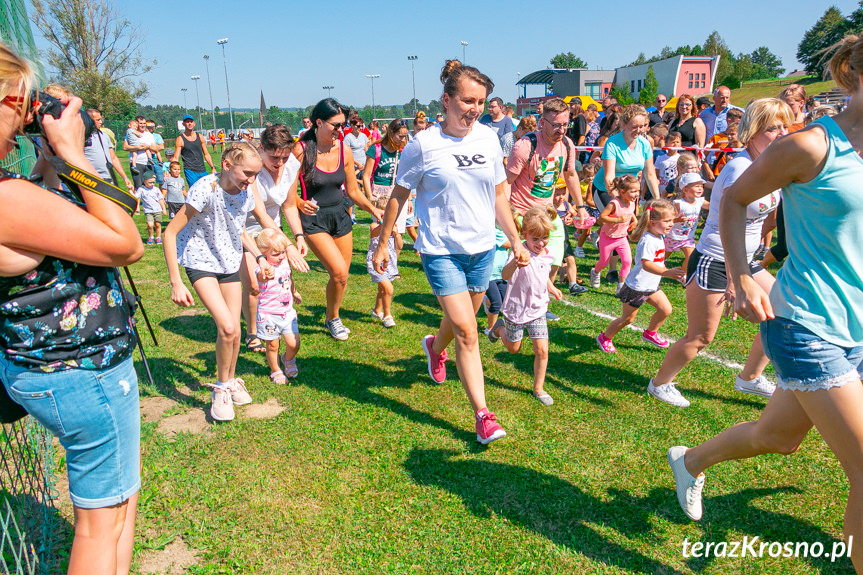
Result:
[[76, 179]]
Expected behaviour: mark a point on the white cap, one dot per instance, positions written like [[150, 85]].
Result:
[[689, 179]]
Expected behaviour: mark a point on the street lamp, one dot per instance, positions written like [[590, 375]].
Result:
[[222, 43], [197, 77], [463, 46], [516, 88], [328, 88], [185, 107], [210, 86], [372, 78], [414, 81]]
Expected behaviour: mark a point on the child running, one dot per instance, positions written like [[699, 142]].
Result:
[[174, 188], [687, 208], [207, 237], [616, 219], [496, 285], [276, 317], [153, 206], [384, 298], [585, 178], [526, 300], [642, 285]]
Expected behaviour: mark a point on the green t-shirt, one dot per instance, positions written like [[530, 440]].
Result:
[[385, 174]]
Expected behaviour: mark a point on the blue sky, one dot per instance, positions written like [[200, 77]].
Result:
[[291, 49]]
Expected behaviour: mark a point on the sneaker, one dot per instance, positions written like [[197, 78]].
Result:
[[605, 344], [576, 289], [654, 338], [760, 253], [594, 279], [612, 277], [667, 393], [239, 393], [551, 317], [618, 288], [758, 386], [337, 329], [487, 427], [436, 361], [579, 252], [150, 242], [688, 487], [594, 239], [492, 333], [389, 321], [290, 366], [485, 304], [221, 408], [544, 398], [376, 315], [158, 241]]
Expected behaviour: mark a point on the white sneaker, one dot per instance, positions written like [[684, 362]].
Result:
[[594, 279], [337, 329], [688, 487], [239, 393], [758, 386], [594, 239], [221, 408], [389, 321], [667, 393], [579, 252], [485, 304]]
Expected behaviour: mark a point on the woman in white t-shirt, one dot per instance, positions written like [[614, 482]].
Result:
[[764, 121], [456, 168], [207, 237], [273, 187]]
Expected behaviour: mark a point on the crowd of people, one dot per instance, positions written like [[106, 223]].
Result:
[[492, 204]]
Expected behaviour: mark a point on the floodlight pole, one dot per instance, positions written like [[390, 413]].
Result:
[[414, 82], [210, 86], [222, 42], [197, 77]]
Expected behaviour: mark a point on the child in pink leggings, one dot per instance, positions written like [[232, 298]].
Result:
[[616, 219]]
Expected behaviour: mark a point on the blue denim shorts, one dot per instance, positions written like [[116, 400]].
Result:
[[96, 417], [805, 362], [455, 273]]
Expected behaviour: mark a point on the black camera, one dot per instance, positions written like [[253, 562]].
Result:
[[53, 107]]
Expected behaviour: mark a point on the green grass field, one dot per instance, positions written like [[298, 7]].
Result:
[[372, 468]]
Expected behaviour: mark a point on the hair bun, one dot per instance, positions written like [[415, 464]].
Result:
[[448, 68], [421, 115]]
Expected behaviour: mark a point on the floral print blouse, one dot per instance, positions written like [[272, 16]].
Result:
[[65, 315]]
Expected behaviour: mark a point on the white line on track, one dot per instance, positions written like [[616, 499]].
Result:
[[715, 358]]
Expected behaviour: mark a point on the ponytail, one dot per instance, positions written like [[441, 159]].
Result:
[[655, 209]]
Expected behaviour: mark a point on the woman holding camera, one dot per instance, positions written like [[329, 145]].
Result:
[[65, 328]]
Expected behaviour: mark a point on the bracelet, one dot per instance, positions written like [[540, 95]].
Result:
[[258, 258], [299, 236], [579, 207]]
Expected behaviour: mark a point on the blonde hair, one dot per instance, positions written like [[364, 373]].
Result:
[[15, 74], [819, 112], [655, 209], [238, 153], [57, 91], [528, 124], [538, 222], [270, 240], [684, 158], [760, 114], [631, 111], [846, 65]]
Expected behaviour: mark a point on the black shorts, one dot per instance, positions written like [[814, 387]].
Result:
[[567, 246], [709, 272], [195, 275], [174, 207], [333, 220], [632, 297], [601, 198]]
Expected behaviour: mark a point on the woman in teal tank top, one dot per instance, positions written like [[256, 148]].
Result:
[[812, 321]]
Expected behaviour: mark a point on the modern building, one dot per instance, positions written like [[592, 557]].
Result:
[[676, 75]]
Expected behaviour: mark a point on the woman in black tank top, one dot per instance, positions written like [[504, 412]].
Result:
[[326, 168], [690, 126]]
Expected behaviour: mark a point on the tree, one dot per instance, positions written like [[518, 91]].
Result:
[[94, 51], [568, 60], [651, 88], [624, 98], [814, 49], [766, 64], [642, 59], [716, 46]]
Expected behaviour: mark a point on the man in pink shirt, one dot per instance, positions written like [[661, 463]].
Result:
[[537, 160]]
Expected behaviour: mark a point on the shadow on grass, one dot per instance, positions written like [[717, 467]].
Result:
[[356, 382], [566, 515]]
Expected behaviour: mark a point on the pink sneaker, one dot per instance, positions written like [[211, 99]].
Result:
[[487, 427], [605, 344], [436, 361], [654, 338]]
